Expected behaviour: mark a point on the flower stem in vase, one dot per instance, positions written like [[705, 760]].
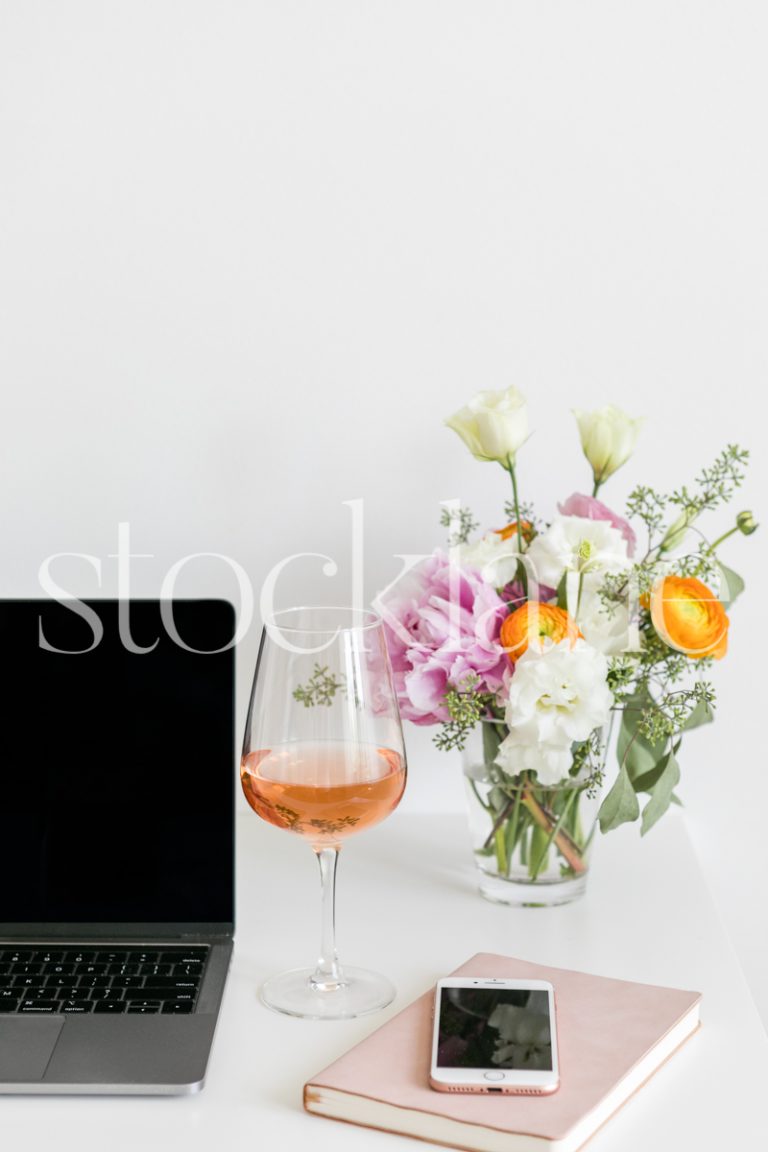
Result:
[[541, 862], [567, 848]]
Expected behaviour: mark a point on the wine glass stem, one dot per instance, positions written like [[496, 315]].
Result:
[[328, 976]]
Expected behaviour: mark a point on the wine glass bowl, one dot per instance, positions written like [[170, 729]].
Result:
[[323, 758]]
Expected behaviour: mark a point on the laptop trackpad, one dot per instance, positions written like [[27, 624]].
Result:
[[26, 1046]]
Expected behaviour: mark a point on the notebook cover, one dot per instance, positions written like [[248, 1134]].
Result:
[[605, 1027]]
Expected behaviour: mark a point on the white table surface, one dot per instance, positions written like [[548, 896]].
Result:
[[408, 904]]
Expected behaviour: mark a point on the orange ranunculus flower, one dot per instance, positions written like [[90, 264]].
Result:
[[689, 617], [510, 530], [536, 621]]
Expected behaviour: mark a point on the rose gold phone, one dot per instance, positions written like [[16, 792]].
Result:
[[494, 1036]]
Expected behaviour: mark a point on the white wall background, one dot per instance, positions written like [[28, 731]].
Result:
[[252, 253]]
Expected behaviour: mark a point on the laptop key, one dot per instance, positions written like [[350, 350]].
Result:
[[37, 994], [46, 957], [156, 969], [144, 1005], [28, 981], [113, 1006], [123, 970], [185, 956], [9, 1005], [173, 1006], [25, 969], [152, 992], [127, 981], [90, 969], [94, 981], [69, 993], [17, 955], [79, 957], [186, 982], [106, 994], [144, 957], [38, 1007], [10, 994], [118, 956]]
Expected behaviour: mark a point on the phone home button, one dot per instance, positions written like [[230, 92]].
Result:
[[493, 1075]]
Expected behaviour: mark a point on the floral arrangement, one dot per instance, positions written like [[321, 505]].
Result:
[[543, 633]]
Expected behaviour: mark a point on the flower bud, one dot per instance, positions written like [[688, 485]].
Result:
[[493, 425], [746, 523], [608, 438], [675, 534]]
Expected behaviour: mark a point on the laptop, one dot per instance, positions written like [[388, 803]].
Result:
[[117, 772]]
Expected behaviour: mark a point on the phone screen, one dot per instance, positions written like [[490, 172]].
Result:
[[494, 1028]]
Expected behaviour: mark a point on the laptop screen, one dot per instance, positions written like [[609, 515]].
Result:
[[116, 767]]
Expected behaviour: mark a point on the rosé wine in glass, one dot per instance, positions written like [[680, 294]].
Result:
[[324, 792], [324, 758]]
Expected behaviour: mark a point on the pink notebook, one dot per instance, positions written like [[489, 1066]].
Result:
[[613, 1035]]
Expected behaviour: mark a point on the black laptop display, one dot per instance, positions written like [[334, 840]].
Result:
[[117, 773]]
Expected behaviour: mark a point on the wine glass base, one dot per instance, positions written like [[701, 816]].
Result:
[[293, 994]]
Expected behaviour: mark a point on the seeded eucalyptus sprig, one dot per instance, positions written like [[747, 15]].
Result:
[[319, 690], [715, 485], [667, 718], [466, 706], [460, 524]]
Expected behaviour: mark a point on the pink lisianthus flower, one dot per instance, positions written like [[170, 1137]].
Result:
[[592, 509], [442, 624]]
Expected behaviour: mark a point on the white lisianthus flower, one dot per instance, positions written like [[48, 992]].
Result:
[[493, 425], [550, 762], [556, 697], [495, 558], [577, 544], [608, 438], [608, 631]]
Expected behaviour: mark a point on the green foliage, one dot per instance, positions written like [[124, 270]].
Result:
[[526, 513], [715, 485], [587, 762], [460, 524], [732, 585], [466, 706], [662, 792], [647, 505], [319, 690], [621, 805], [621, 675]]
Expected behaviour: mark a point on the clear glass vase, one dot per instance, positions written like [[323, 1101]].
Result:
[[532, 844]]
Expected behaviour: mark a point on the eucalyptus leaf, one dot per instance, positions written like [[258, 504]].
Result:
[[634, 751], [703, 713], [647, 781], [491, 740], [621, 805], [661, 793], [732, 585]]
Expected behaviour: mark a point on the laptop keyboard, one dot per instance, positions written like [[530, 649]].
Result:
[[63, 978]]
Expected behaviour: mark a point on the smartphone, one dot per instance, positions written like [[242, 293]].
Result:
[[494, 1036]]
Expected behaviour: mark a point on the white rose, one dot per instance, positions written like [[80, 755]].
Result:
[[493, 425], [576, 544], [608, 438], [495, 558], [556, 697]]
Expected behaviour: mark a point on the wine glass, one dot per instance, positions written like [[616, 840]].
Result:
[[323, 757]]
